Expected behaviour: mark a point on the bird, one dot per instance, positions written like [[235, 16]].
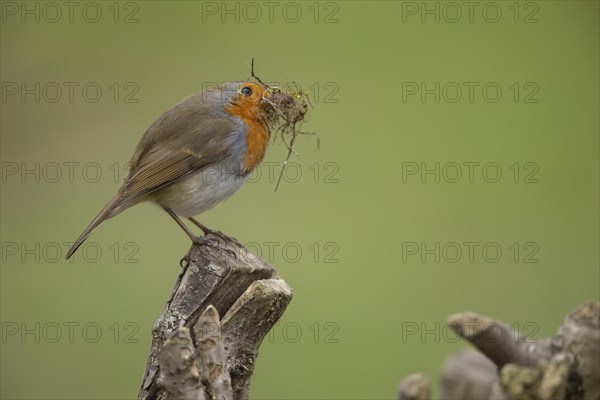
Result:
[[195, 155]]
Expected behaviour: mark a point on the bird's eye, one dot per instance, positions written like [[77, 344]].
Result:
[[246, 91]]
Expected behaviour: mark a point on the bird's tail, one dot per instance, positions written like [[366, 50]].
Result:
[[102, 215]]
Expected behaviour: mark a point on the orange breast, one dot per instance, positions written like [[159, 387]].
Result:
[[257, 135]]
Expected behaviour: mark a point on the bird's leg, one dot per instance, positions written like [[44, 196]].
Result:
[[204, 228], [183, 226], [208, 231], [195, 239]]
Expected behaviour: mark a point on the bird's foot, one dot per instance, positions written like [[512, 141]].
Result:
[[216, 234], [203, 241], [217, 240], [223, 237]]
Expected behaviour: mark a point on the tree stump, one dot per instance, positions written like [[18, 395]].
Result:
[[195, 353]]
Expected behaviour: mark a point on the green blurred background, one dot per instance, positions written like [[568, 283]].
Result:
[[364, 281]]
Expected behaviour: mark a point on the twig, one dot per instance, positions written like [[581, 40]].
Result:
[[252, 75]]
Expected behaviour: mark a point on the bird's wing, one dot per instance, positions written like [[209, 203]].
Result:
[[162, 168], [169, 162]]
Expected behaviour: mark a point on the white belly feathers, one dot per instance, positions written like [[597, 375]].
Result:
[[199, 192]]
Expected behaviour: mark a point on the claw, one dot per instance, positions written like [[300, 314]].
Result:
[[223, 237], [184, 262], [210, 236], [212, 240]]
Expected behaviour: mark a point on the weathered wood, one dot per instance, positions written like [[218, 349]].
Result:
[[498, 341], [211, 355], [218, 273], [260, 306], [579, 335], [563, 367], [467, 375], [414, 387], [179, 372]]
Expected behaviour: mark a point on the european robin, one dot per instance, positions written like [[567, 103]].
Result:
[[195, 155]]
